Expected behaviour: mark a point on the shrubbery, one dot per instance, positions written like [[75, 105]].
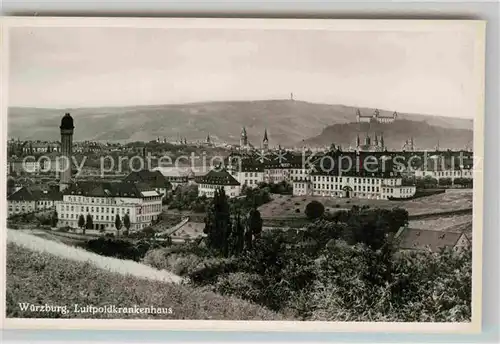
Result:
[[122, 249], [341, 267], [314, 210]]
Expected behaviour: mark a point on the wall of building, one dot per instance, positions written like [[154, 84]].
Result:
[[103, 210], [208, 190]]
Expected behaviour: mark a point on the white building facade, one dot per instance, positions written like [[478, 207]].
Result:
[[104, 202], [216, 180], [369, 187]]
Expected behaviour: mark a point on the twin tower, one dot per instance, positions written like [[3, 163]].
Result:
[[67, 127]]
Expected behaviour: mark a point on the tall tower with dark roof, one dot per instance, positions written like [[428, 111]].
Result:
[[265, 141], [243, 138], [67, 127]]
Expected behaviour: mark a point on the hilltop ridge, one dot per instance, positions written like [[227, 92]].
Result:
[[287, 121]]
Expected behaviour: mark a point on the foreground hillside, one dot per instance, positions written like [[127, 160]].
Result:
[[124, 267], [425, 135], [287, 121], [44, 279]]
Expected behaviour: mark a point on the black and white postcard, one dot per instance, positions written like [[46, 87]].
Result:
[[242, 174]]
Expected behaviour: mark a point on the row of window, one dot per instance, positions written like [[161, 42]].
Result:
[[96, 217], [82, 199], [341, 194], [213, 186], [20, 209], [339, 187], [453, 173], [354, 179], [251, 174], [49, 203], [94, 209]]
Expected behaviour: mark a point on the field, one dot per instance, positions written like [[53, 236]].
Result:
[[41, 278], [441, 223], [283, 206]]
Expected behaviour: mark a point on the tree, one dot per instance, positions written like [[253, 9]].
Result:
[[444, 181], [314, 210], [89, 223], [126, 223], [237, 240], [118, 225], [81, 223], [54, 219], [255, 222], [218, 224]]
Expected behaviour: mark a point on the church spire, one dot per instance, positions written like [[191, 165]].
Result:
[[265, 141]]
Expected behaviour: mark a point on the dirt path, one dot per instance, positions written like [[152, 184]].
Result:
[[123, 267]]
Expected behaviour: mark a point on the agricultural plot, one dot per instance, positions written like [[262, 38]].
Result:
[[441, 223], [293, 206]]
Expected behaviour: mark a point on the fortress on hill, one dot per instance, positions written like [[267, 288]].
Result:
[[375, 117]]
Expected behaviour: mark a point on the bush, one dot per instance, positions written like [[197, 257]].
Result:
[[178, 263], [314, 210], [64, 229], [240, 284], [122, 249], [208, 270]]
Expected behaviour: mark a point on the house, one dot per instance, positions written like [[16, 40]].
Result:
[[155, 179], [30, 199], [218, 179], [104, 200], [433, 240], [176, 176], [250, 175]]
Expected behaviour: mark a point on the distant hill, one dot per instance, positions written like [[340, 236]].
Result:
[[287, 121], [425, 136]]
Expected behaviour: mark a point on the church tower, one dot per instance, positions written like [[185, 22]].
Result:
[[265, 141], [67, 128], [243, 138]]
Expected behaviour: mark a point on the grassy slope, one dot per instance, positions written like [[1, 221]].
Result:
[[125, 267], [284, 206], [287, 122], [41, 278]]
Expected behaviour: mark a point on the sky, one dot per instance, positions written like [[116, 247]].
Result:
[[406, 71]]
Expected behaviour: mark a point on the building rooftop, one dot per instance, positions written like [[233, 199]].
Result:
[[217, 177], [425, 239], [108, 189], [154, 179], [34, 193]]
